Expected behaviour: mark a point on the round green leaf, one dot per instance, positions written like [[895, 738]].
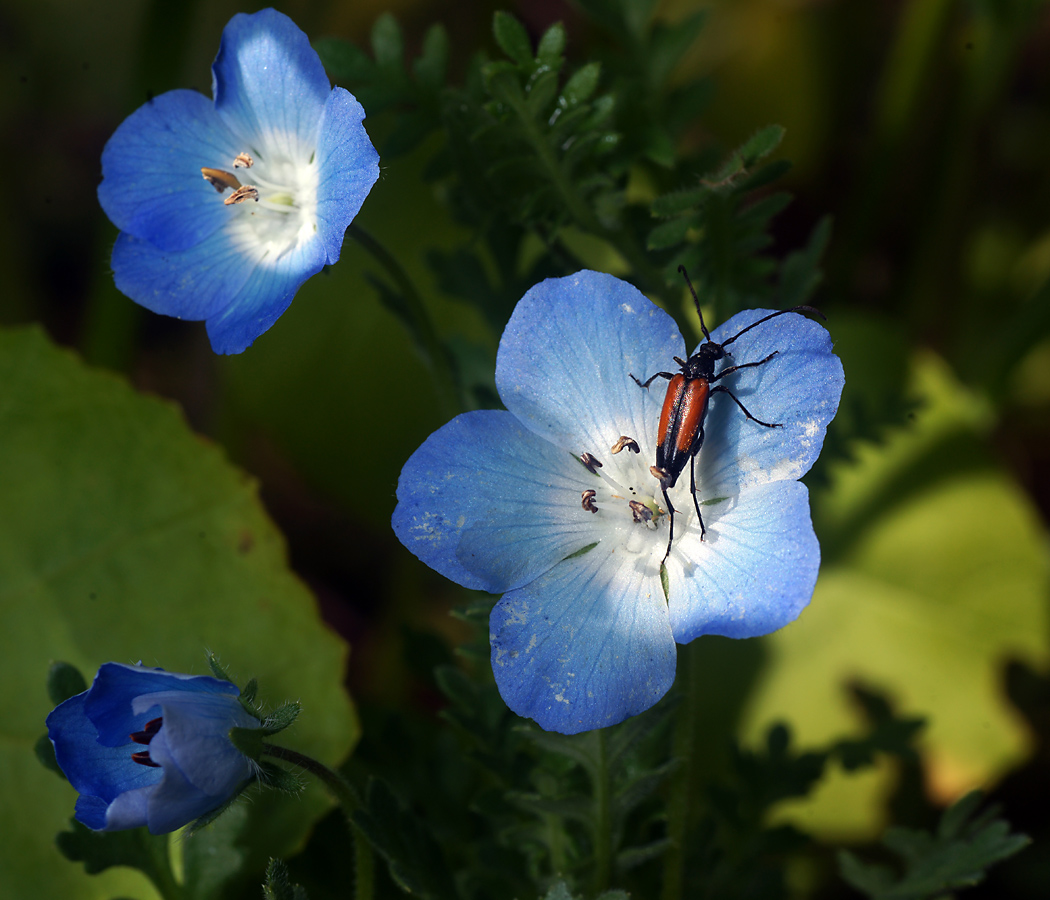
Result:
[[126, 537]]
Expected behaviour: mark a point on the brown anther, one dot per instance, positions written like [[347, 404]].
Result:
[[591, 463], [142, 758], [640, 511], [149, 730], [588, 501], [243, 161], [624, 441], [246, 192], [662, 474], [220, 179]]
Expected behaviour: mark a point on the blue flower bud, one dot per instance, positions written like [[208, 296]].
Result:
[[147, 747]]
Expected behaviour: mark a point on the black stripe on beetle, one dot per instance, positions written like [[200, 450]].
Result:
[[681, 432]]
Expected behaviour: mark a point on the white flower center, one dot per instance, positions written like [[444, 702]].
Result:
[[628, 506], [273, 199]]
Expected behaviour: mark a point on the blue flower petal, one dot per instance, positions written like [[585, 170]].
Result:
[[349, 166], [754, 573], [566, 356], [97, 770], [799, 388], [489, 504], [196, 734], [238, 294], [129, 810], [584, 646], [269, 84], [109, 705], [152, 186]]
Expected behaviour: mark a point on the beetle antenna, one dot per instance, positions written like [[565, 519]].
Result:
[[696, 301], [798, 309]]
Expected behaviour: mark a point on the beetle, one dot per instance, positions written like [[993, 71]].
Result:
[[681, 431]]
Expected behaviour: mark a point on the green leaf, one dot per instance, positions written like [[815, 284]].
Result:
[[279, 886], [957, 856], [414, 857], [64, 681], [128, 537], [388, 45], [670, 234], [212, 857], [552, 46], [512, 38], [934, 573], [582, 84], [760, 144], [432, 64]]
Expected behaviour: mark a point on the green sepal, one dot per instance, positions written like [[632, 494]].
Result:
[[249, 691], [64, 681], [249, 741], [45, 753], [280, 779], [218, 670], [281, 717]]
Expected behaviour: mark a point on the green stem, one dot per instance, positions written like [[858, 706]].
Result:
[[416, 317], [603, 837], [683, 785], [344, 793], [160, 872]]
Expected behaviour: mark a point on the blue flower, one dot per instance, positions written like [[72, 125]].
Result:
[[225, 208], [148, 747], [584, 635]]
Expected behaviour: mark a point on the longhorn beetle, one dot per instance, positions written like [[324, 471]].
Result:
[[681, 433]]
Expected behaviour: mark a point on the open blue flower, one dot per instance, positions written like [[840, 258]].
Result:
[[226, 207], [584, 635], [148, 747]]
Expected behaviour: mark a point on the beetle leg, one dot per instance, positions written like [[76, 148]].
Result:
[[645, 384], [692, 488], [743, 408], [731, 369], [670, 530]]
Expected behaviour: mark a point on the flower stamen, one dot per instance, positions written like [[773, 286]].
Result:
[[142, 758], [592, 463], [588, 501], [243, 161], [148, 732], [220, 179], [624, 442], [245, 192]]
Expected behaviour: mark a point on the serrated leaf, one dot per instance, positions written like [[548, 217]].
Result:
[[670, 234], [760, 144], [512, 38], [128, 537], [680, 201], [411, 853]]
